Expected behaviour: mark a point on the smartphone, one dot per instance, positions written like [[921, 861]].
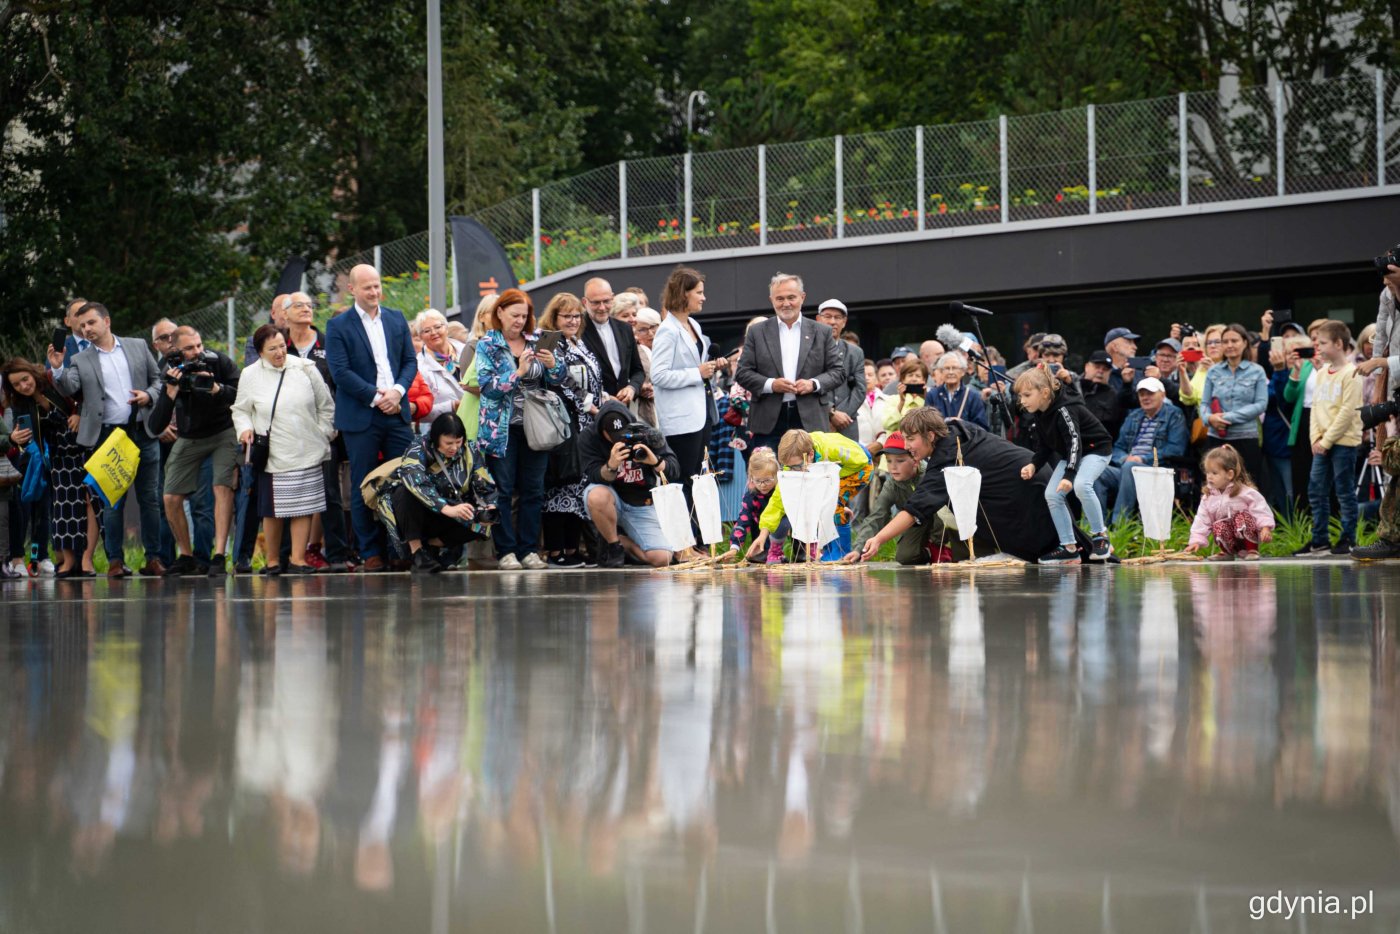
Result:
[[1305, 353], [914, 389], [1054, 368], [1275, 345], [1282, 316], [24, 423], [1193, 355], [1140, 363], [549, 341], [60, 339]]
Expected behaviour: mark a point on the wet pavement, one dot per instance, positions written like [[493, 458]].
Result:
[[1133, 750]]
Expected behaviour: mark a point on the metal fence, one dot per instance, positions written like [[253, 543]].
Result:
[[1171, 151]]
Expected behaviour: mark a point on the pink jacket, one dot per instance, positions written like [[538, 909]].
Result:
[[1216, 506]]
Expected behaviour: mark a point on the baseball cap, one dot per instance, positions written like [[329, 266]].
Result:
[[1116, 333], [1052, 342], [833, 303], [1100, 356], [901, 351], [1151, 384], [894, 443], [1171, 342], [612, 424]]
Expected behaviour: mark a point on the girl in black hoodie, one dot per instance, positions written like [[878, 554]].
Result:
[[1068, 435]]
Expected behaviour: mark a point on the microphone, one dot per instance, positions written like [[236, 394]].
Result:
[[956, 307]]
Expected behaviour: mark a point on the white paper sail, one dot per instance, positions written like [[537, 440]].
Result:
[[809, 501], [673, 515], [705, 491], [964, 493], [1156, 490]]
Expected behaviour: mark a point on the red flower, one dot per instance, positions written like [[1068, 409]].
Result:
[[1059, 196], [675, 223], [904, 213], [661, 223], [872, 212], [942, 207], [544, 238]]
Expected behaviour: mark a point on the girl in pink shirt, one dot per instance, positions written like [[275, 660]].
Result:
[[1232, 509]]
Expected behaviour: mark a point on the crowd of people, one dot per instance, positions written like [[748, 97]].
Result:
[[522, 442]]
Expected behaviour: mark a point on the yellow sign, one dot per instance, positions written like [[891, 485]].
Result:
[[112, 467]]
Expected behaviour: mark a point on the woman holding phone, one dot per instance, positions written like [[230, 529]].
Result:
[[1235, 394], [510, 360], [44, 414]]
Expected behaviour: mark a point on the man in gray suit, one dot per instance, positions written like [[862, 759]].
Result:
[[787, 363], [118, 378], [849, 395]]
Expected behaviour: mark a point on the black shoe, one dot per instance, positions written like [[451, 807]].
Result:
[[243, 569], [424, 563], [1312, 548], [183, 565], [1102, 550], [1379, 550], [611, 555], [218, 566], [566, 562], [297, 569], [1343, 547], [1065, 554], [271, 570]]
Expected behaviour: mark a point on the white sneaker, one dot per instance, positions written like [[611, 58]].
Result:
[[534, 562], [46, 568], [508, 563], [16, 568]]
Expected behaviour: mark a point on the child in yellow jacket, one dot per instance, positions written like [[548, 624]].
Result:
[[1335, 432], [799, 449]]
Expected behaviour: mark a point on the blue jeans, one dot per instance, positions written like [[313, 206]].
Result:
[[1090, 467], [1280, 472], [519, 473], [146, 487], [1118, 479], [1334, 471]]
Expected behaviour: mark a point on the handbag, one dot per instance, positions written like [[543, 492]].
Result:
[[112, 467], [546, 420], [35, 485], [261, 448]]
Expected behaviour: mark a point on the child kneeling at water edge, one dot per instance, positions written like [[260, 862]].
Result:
[[1231, 509], [798, 450]]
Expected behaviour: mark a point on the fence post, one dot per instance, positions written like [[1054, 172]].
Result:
[[919, 168], [622, 205], [688, 179], [1380, 127], [762, 195], [232, 331], [1278, 139], [379, 259], [1093, 165], [1005, 176], [535, 230], [840, 192], [1183, 169]]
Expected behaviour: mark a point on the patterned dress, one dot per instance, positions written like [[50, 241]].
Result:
[[69, 496], [579, 361]]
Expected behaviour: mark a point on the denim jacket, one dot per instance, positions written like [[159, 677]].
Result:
[[1170, 437], [495, 372], [1243, 394]]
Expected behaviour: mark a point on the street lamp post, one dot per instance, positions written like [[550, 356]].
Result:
[[690, 114], [437, 201]]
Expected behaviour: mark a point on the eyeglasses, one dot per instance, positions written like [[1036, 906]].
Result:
[[165, 338], [1216, 341], [571, 317], [434, 329]]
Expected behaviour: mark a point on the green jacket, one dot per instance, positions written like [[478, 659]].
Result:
[[1294, 391], [892, 497]]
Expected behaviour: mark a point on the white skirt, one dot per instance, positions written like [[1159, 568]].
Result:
[[298, 493]]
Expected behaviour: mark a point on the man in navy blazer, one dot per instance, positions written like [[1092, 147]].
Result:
[[370, 354]]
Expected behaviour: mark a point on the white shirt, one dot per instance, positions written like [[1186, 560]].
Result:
[[116, 384], [790, 344], [609, 339], [374, 327]]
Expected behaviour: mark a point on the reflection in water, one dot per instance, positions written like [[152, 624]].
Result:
[[1053, 751]]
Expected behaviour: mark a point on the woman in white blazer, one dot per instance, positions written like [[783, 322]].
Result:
[[439, 363], [680, 373]]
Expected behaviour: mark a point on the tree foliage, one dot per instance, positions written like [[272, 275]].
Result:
[[159, 154]]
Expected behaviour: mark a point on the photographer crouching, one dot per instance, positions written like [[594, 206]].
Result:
[[622, 461], [1385, 405], [200, 388]]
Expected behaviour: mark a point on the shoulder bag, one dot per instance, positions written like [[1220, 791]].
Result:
[[261, 448]]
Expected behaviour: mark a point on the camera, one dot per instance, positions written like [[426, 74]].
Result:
[[1373, 415], [637, 439], [1390, 257], [196, 375], [1186, 330]]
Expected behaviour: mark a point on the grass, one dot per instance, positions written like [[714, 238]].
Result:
[[1290, 534]]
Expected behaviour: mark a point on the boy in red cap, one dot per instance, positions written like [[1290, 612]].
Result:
[[894, 493]]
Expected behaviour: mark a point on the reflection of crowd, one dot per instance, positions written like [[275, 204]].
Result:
[[761, 718]]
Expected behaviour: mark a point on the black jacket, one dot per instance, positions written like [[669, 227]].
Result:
[[199, 414], [634, 481], [1067, 431], [631, 373], [317, 355], [1012, 516]]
